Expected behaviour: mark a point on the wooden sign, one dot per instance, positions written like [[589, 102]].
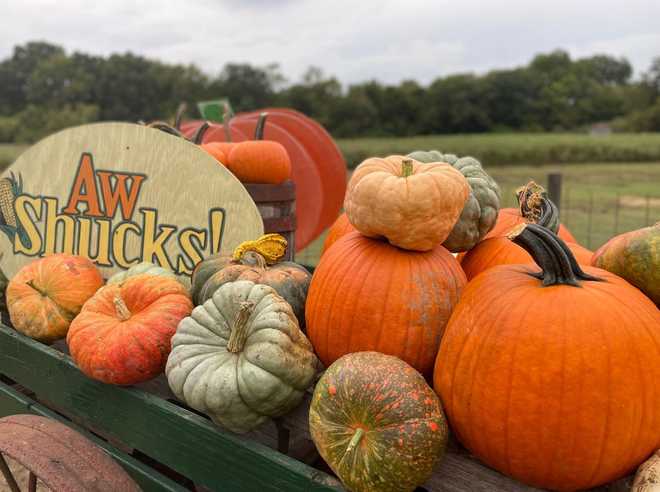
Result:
[[119, 194]]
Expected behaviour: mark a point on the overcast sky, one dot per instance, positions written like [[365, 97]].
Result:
[[355, 40]]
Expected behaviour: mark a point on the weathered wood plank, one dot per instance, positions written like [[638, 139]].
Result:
[[12, 402], [178, 438]]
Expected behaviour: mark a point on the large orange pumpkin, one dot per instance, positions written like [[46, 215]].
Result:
[[122, 335], [45, 295], [551, 376], [367, 295], [411, 204], [340, 228]]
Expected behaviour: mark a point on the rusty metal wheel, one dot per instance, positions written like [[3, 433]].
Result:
[[57, 457]]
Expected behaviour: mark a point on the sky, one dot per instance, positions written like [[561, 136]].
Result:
[[354, 40]]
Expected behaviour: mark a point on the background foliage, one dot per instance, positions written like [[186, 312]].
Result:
[[43, 88]]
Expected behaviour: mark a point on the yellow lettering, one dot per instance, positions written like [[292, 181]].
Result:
[[103, 256], [152, 244], [119, 244], [217, 227], [189, 250], [52, 220], [25, 222]]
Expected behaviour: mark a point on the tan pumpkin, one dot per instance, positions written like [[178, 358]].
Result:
[[413, 205]]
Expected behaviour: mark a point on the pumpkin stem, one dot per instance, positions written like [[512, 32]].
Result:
[[239, 329], [35, 287], [178, 117], [261, 123], [226, 118], [271, 247], [558, 265], [536, 207], [406, 168], [123, 313], [164, 127], [199, 134], [355, 440]]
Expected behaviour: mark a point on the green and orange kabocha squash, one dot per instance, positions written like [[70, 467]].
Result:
[[259, 262], [377, 423], [635, 256], [47, 294], [480, 211], [241, 358], [399, 199], [535, 207], [122, 335], [550, 376], [367, 295]]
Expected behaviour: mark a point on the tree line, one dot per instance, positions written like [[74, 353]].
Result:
[[43, 89]]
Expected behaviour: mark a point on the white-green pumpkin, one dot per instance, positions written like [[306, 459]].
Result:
[[241, 357], [141, 268], [480, 211]]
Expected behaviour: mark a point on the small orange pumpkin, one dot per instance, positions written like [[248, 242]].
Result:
[[123, 333], [340, 228], [258, 160], [45, 295], [413, 205]]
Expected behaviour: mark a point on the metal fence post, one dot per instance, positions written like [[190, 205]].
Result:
[[554, 188]]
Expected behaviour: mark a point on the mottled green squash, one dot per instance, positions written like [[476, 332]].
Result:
[[141, 268], [377, 423], [480, 212], [635, 256]]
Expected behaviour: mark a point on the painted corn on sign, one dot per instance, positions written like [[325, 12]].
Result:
[[120, 194]]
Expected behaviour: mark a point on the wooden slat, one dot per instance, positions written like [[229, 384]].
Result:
[[271, 193], [12, 402], [280, 224], [178, 438]]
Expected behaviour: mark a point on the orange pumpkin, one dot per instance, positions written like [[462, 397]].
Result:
[[45, 295], [413, 205], [340, 228], [367, 295], [550, 376], [122, 335], [258, 160], [527, 196]]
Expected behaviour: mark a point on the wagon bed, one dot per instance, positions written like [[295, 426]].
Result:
[[165, 446]]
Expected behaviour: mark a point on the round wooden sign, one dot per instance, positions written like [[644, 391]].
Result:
[[120, 194]]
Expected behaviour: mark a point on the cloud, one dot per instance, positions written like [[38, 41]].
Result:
[[386, 40]]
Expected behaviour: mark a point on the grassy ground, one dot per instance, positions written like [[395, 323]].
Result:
[[598, 199], [516, 148]]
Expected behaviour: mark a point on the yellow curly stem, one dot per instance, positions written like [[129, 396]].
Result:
[[271, 246]]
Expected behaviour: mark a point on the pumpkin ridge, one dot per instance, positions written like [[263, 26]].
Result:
[[382, 311]]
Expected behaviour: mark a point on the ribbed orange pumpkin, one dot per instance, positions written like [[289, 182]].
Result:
[[367, 295], [122, 335], [551, 377], [45, 295], [340, 228]]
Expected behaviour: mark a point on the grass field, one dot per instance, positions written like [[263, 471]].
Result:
[[516, 148]]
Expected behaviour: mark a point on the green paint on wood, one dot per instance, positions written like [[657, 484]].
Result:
[[178, 438], [12, 402]]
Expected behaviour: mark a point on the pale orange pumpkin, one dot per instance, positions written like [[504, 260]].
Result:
[[45, 295], [413, 205]]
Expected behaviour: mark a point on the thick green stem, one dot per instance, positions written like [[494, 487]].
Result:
[[558, 265], [164, 127], [536, 207], [123, 313], [239, 329], [406, 168], [37, 288], [261, 123], [355, 440]]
